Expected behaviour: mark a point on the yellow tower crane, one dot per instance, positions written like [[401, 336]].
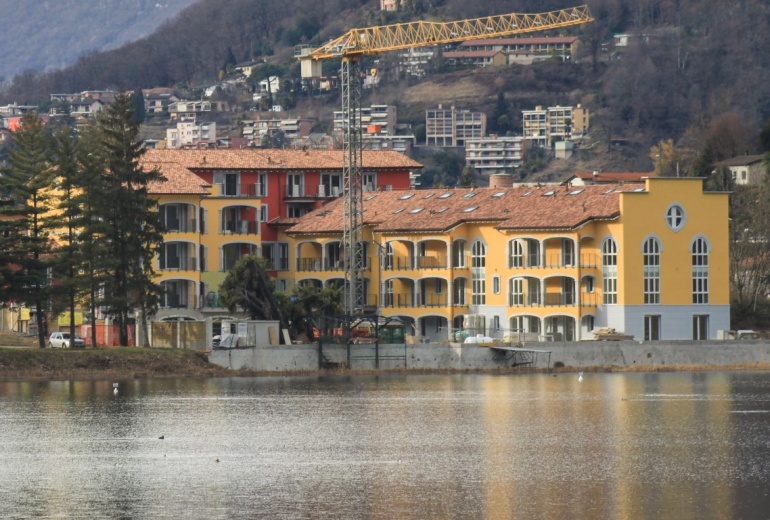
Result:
[[371, 41]]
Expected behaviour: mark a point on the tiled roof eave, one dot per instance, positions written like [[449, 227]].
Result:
[[570, 227]]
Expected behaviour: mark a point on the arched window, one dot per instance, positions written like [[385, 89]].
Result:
[[478, 273], [610, 271], [651, 252], [700, 271]]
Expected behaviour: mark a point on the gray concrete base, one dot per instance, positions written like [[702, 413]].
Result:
[[454, 356]]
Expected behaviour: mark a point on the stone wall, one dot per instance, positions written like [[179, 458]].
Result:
[[454, 356]]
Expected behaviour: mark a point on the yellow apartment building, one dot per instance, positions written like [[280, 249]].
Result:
[[648, 260]]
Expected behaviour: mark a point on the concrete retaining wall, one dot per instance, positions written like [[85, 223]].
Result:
[[454, 356]]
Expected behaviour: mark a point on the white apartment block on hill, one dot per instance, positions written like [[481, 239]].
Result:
[[453, 127], [495, 154], [376, 119], [544, 126], [191, 134]]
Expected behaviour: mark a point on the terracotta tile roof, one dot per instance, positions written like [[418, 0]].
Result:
[[179, 180], [439, 210], [277, 159], [741, 160], [612, 177], [521, 41], [470, 54]]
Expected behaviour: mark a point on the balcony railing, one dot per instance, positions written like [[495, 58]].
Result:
[[179, 264], [555, 261], [406, 263], [280, 264], [182, 226], [325, 264], [177, 301], [240, 227], [552, 300]]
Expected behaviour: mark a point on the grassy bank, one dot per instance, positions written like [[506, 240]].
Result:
[[131, 362]]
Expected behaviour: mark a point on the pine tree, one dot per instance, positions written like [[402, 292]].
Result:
[[93, 230], [139, 110], [25, 241], [134, 233]]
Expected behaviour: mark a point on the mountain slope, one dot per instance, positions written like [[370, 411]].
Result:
[[44, 34]]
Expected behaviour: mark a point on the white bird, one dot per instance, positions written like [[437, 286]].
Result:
[[580, 376]]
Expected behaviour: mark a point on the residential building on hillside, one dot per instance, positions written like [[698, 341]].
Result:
[[453, 127], [86, 108], [746, 170], [390, 5], [476, 58], [188, 134], [190, 110], [293, 128], [495, 154], [157, 100], [416, 61], [218, 205], [551, 263], [544, 126], [14, 109], [527, 50], [375, 119]]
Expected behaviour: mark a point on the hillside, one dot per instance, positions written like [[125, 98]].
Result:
[[42, 35], [681, 72]]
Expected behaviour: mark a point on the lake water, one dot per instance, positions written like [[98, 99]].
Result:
[[684, 446]]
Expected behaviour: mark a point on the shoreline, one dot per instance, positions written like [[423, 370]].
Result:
[[25, 364]]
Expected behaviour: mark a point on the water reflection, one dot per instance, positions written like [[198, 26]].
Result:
[[689, 445]]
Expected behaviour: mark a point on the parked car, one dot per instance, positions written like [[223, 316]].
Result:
[[62, 340]]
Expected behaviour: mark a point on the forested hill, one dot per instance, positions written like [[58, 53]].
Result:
[[690, 67], [41, 34]]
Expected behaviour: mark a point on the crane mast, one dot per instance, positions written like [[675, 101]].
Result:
[[371, 41]]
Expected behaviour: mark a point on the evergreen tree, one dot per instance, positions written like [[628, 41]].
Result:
[[93, 229], [134, 233], [139, 110], [67, 261], [25, 244]]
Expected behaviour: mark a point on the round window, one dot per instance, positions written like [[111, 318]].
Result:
[[675, 217]]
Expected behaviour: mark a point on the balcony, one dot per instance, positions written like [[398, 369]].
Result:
[[555, 261], [407, 300], [280, 264], [405, 263], [562, 299], [240, 227], [182, 226], [180, 263], [319, 264]]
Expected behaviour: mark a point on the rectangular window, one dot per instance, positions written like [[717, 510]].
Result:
[[610, 284], [478, 288], [517, 291], [700, 327], [439, 287], [495, 323], [496, 284], [652, 328], [263, 214]]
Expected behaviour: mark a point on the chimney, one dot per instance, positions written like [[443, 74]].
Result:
[[500, 180], [596, 173]]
